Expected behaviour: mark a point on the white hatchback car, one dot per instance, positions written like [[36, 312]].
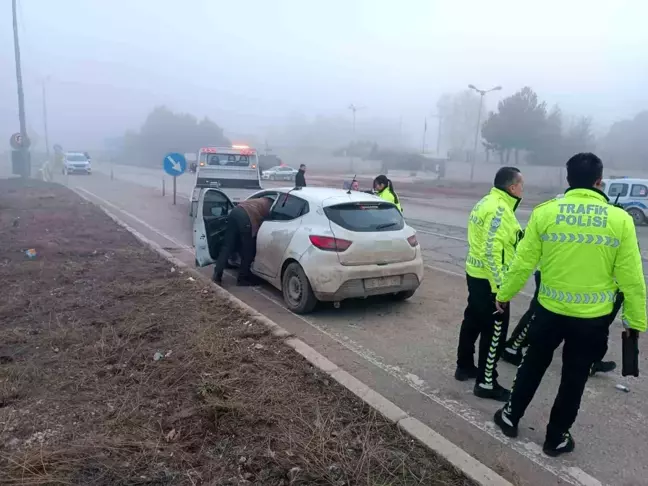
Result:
[[321, 244]]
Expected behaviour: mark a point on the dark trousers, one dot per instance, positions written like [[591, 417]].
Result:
[[481, 321], [238, 238], [585, 341], [518, 339]]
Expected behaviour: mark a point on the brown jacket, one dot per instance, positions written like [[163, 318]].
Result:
[[257, 210]]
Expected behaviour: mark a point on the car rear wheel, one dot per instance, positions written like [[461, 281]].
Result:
[[404, 295], [637, 216], [297, 292]]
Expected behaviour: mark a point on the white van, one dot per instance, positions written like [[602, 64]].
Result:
[[632, 194], [234, 170], [228, 167]]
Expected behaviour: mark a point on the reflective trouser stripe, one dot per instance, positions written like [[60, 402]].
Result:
[[492, 353]]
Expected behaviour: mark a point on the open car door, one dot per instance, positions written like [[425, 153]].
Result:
[[210, 224]]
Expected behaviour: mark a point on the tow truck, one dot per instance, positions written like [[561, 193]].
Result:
[[233, 170]]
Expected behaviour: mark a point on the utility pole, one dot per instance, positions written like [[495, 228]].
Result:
[[424, 136], [47, 149], [481, 93], [354, 110], [25, 172], [439, 118]]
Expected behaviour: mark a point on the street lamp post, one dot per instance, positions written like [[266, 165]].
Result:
[[47, 149], [354, 109], [481, 93], [439, 118]]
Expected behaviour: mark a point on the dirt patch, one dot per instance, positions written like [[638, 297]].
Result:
[[117, 369]]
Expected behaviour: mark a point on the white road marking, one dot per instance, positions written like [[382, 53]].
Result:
[[530, 450]]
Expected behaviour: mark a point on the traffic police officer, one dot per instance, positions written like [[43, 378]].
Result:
[[493, 234], [513, 349], [589, 253]]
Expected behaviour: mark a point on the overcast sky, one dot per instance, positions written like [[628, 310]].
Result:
[[249, 63]]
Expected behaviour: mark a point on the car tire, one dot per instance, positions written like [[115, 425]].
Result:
[[404, 295], [297, 292], [637, 216]]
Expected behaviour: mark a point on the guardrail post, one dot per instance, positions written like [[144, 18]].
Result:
[[163, 188]]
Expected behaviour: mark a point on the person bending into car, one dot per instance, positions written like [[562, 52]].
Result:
[[242, 227], [385, 190]]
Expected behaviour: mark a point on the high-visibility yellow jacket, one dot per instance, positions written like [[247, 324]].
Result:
[[493, 234], [387, 195], [589, 252]]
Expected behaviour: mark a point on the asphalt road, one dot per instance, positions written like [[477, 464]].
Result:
[[407, 351]]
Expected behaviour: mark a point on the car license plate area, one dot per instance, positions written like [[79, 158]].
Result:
[[382, 282]]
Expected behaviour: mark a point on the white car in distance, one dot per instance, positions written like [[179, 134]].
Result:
[[279, 173], [76, 163], [321, 244]]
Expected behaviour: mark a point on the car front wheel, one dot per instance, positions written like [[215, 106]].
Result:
[[637, 216], [297, 292]]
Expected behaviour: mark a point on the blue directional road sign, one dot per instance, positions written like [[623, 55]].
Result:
[[174, 164]]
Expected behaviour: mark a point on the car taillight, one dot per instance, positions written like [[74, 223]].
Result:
[[328, 243], [412, 241]]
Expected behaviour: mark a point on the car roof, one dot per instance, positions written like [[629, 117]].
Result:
[[329, 196], [74, 153], [626, 180]]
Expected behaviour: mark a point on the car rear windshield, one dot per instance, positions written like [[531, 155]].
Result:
[[366, 217]]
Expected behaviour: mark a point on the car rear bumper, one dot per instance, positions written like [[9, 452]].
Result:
[[331, 281], [79, 170]]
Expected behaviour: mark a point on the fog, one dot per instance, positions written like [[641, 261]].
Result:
[[251, 65]]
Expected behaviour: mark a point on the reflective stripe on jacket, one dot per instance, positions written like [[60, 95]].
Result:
[[589, 252], [387, 195], [493, 234]]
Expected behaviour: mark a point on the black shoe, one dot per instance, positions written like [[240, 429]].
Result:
[[512, 356], [509, 429], [565, 445], [246, 282], [602, 367], [494, 392], [217, 279], [465, 374]]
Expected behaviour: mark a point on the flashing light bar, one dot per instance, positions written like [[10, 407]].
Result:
[[245, 150]]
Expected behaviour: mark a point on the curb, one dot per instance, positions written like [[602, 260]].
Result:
[[460, 459]]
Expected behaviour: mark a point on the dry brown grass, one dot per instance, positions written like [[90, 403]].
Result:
[[82, 401]]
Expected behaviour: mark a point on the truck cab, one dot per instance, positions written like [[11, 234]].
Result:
[[234, 170]]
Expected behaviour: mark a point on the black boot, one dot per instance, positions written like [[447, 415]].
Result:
[[509, 429], [465, 374], [602, 367], [495, 392], [565, 445]]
